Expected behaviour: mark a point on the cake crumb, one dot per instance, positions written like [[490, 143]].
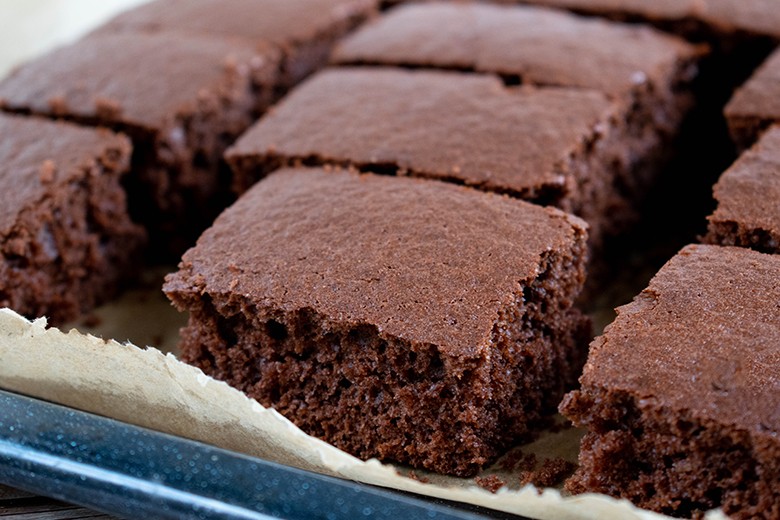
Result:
[[517, 460], [491, 482], [414, 476], [47, 171], [551, 473]]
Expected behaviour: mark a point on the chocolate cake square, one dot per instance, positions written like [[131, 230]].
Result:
[[181, 99], [66, 240], [748, 195], [640, 66], [303, 30], [681, 395], [756, 104], [647, 72], [417, 322], [693, 17], [551, 146]]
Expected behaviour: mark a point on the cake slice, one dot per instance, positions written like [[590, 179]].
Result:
[[646, 72], [756, 104], [681, 395], [417, 322], [303, 30], [181, 99], [66, 240], [748, 195], [550, 146], [756, 18], [645, 69]]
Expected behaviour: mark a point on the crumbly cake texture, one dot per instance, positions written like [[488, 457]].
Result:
[[181, 99], [646, 71], [556, 146], [681, 394], [304, 30], [756, 104], [413, 321], [748, 195], [66, 240]]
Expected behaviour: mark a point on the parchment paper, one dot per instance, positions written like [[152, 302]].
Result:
[[151, 388]]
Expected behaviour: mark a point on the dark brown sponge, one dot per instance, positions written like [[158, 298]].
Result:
[[681, 395], [404, 319], [66, 240]]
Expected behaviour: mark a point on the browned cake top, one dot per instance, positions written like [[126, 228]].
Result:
[[425, 261], [542, 47], [759, 97], [749, 192], [652, 9], [142, 80], [703, 337], [466, 127], [36, 155], [751, 16], [282, 22]]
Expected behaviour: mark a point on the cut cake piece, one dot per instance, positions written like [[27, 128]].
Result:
[[647, 72], [303, 30], [535, 46], [719, 18], [748, 195], [66, 240], [417, 322], [756, 104], [550, 146], [681, 395], [182, 100]]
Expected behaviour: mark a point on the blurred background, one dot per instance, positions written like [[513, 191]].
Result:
[[31, 27]]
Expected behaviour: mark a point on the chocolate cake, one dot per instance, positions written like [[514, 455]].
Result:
[[418, 322], [647, 72], [66, 240], [303, 30], [551, 146], [748, 195], [681, 395], [181, 99], [719, 17], [756, 104], [644, 68]]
